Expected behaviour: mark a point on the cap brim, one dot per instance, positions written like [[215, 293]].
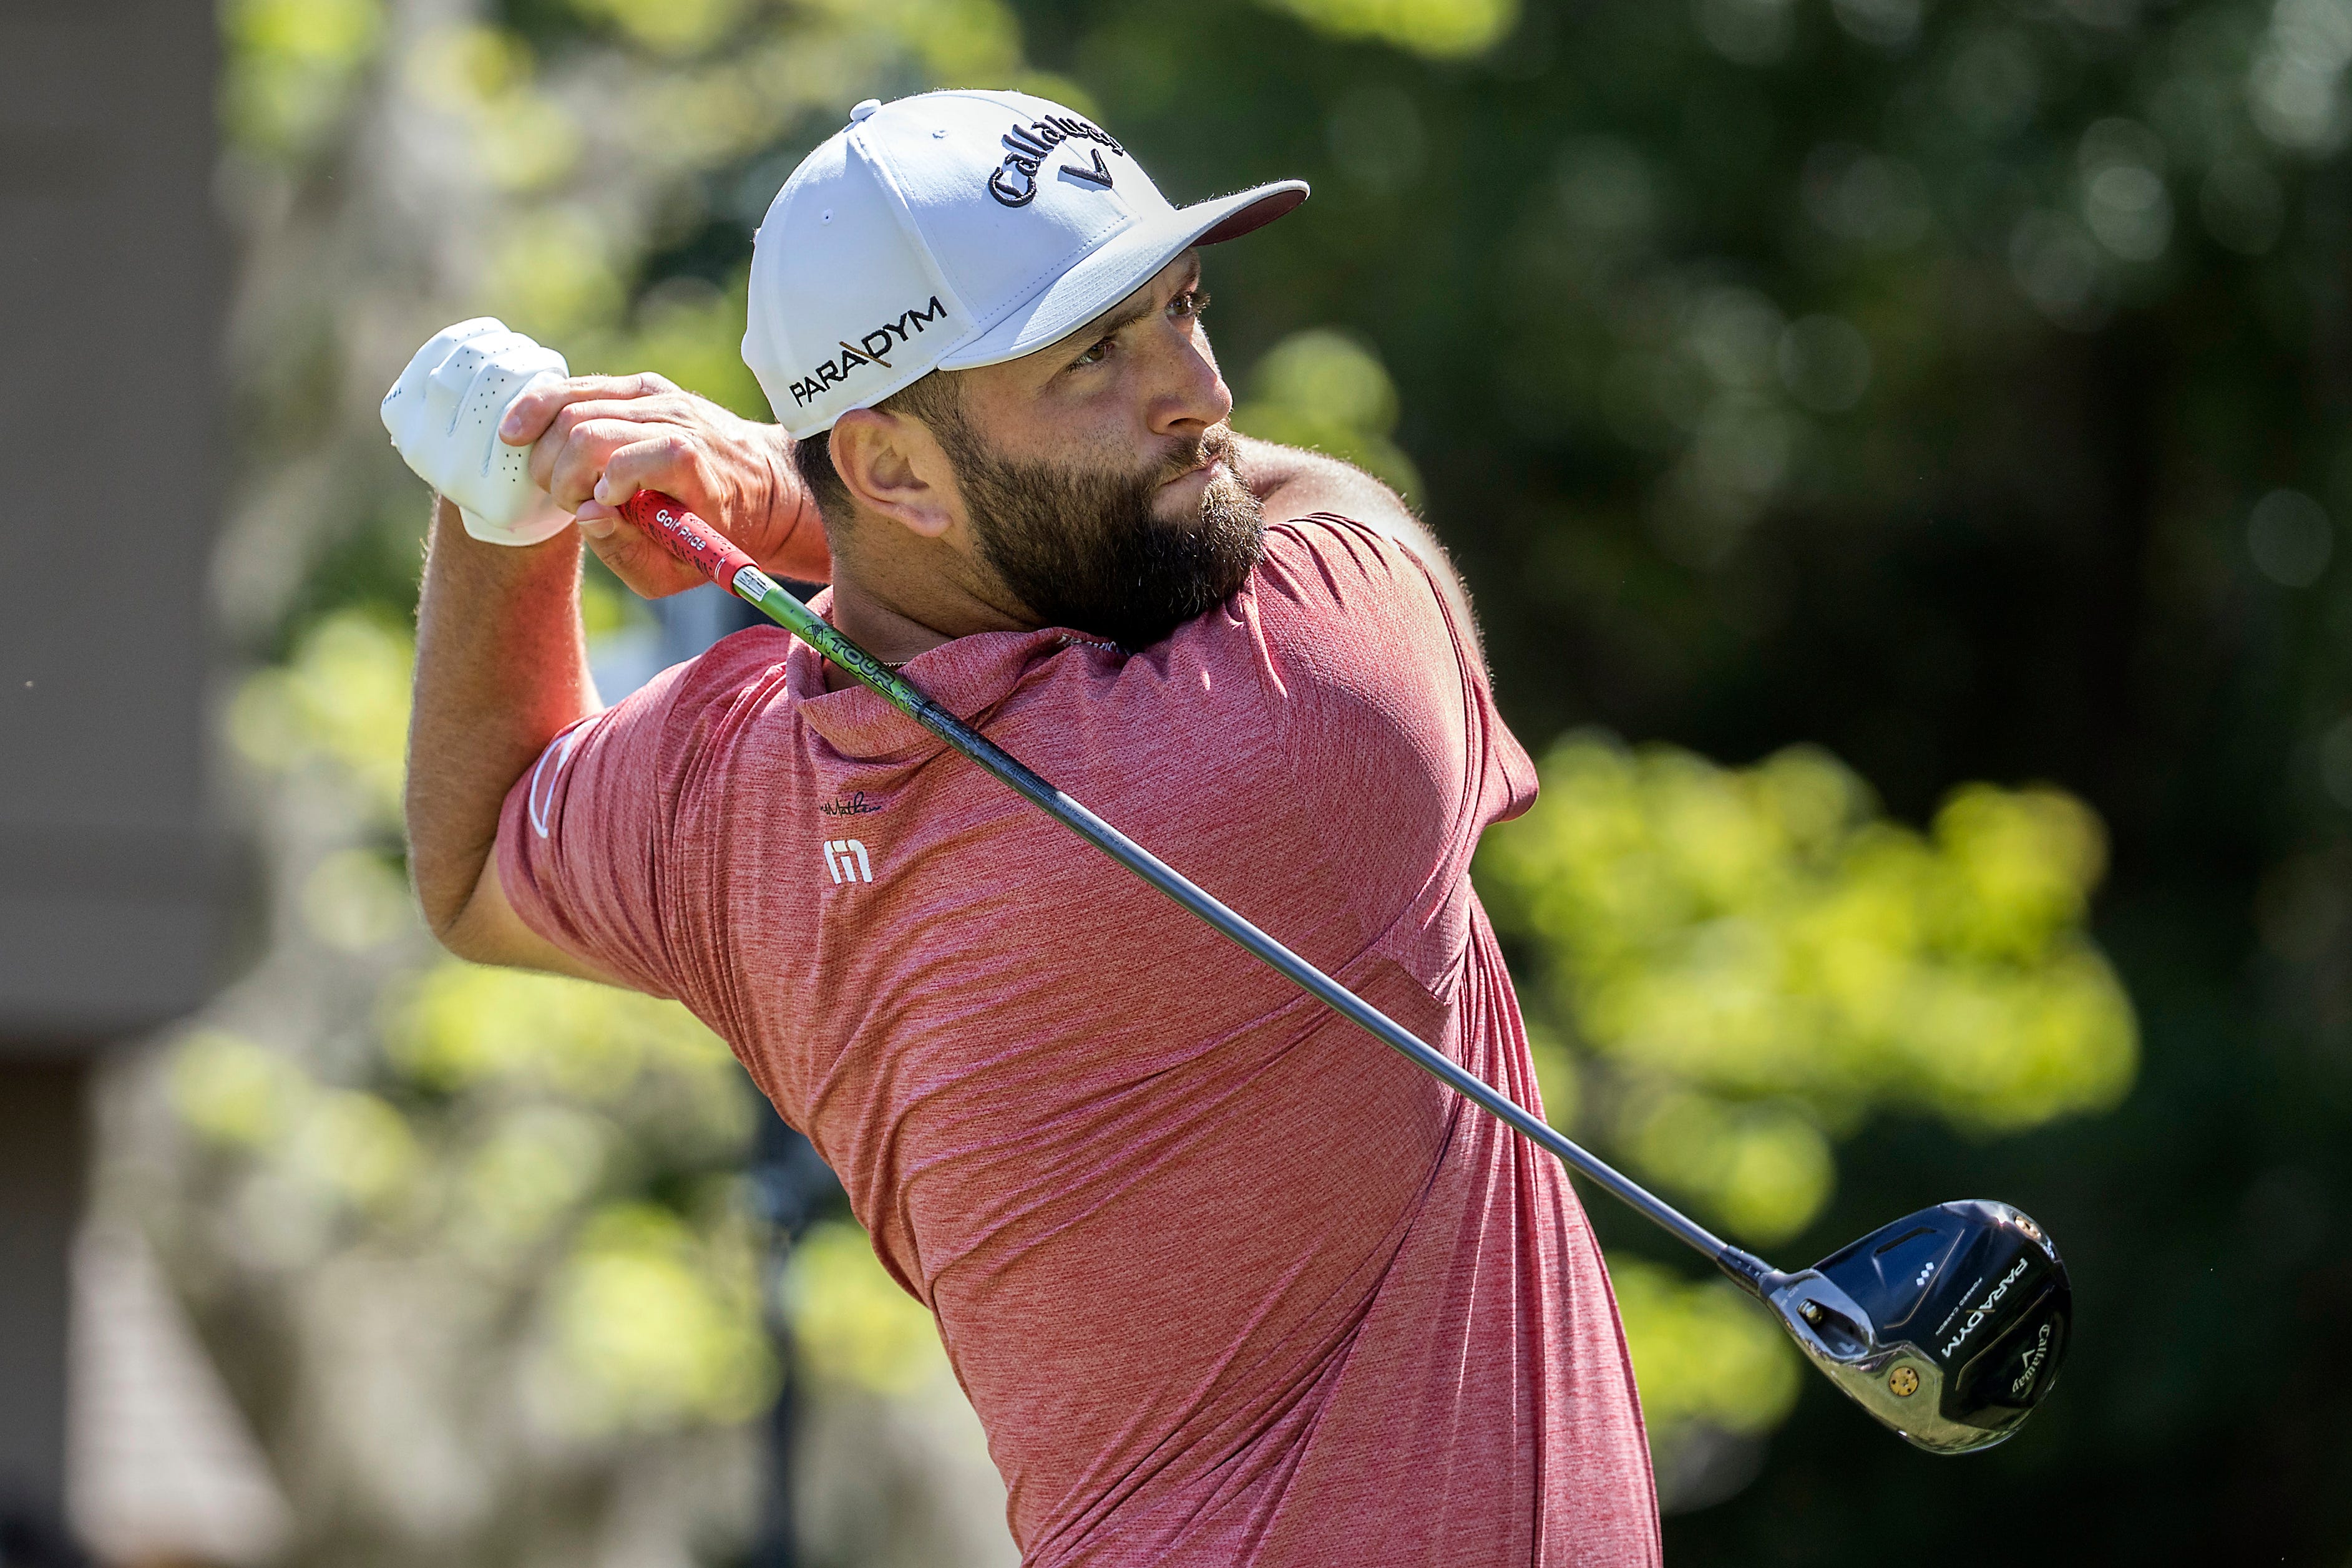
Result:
[[1125, 264]]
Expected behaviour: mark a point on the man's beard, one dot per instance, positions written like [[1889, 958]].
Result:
[[1084, 549]]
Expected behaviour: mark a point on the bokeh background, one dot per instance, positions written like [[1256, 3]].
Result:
[[1895, 447]]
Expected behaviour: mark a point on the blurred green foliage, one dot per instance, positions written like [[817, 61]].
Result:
[[850, 1318], [606, 1219], [575, 1148], [1326, 392], [341, 702], [291, 66], [1438, 28], [1761, 962], [1753, 962], [658, 1321], [1704, 1356]]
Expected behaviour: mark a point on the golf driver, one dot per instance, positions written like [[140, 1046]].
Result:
[[1948, 1325]]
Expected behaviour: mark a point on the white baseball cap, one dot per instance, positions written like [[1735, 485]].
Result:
[[955, 229]]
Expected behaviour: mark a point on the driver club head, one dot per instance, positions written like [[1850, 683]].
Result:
[[1948, 1325]]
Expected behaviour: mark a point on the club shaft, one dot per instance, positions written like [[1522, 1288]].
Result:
[[678, 531]]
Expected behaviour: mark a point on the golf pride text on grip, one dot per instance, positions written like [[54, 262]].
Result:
[[669, 525]]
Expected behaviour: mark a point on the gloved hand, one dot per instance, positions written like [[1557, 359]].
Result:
[[444, 414]]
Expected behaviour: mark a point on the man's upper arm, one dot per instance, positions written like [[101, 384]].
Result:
[[488, 931], [589, 872]]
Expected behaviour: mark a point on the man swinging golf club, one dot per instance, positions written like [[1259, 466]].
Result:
[[1224, 1284]]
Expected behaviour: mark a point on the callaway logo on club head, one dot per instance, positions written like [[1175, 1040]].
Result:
[[2023, 1382], [1014, 181], [873, 349], [1991, 1298]]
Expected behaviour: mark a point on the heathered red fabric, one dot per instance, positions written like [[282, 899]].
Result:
[[1227, 1281]]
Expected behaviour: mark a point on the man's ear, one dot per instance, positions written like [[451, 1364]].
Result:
[[893, 466]]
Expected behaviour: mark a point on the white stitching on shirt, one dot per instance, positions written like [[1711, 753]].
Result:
[[543, 806]]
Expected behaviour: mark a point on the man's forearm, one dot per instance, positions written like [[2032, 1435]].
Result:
[[501, 668]]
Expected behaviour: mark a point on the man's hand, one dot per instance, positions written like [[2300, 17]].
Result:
[[441, 414], [597, 440]]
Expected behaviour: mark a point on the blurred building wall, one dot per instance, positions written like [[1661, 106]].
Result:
[[112, 294]]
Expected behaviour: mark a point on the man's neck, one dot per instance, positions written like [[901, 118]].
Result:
[[896, 615]]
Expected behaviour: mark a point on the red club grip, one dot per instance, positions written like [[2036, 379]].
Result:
[[669, 525]]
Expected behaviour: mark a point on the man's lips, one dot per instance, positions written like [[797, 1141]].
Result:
[[1209, 464]]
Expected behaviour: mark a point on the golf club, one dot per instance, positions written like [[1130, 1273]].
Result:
[[1948, 1325]]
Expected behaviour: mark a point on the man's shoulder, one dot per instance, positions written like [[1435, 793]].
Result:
[[1340, 596], [684, 708], [751, 660], [1335, 538]]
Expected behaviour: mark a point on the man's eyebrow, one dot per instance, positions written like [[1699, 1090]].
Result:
[[1136, 308]]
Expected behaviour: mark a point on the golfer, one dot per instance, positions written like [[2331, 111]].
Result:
[[1226, 1283]]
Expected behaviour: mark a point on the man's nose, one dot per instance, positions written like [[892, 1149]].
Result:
[[1192, 395]]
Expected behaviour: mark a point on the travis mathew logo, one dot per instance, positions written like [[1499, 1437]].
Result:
[[1027, 147], [853, 804], [872, 348]]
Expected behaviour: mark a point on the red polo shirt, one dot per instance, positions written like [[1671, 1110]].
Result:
[[1226, 1281]]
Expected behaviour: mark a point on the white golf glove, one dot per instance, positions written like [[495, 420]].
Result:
[[444, 414]]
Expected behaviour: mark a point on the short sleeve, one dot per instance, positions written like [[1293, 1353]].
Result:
[[585, 845], [1394, 741]]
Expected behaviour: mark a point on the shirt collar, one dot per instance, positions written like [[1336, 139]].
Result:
[[969, 676]]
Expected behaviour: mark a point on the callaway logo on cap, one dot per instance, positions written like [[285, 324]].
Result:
[[956, 229]]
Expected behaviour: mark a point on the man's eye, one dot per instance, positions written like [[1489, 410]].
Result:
[[1190, 303], [1094, 356]]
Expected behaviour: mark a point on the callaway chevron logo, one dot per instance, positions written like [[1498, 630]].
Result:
[[1027, 147]]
